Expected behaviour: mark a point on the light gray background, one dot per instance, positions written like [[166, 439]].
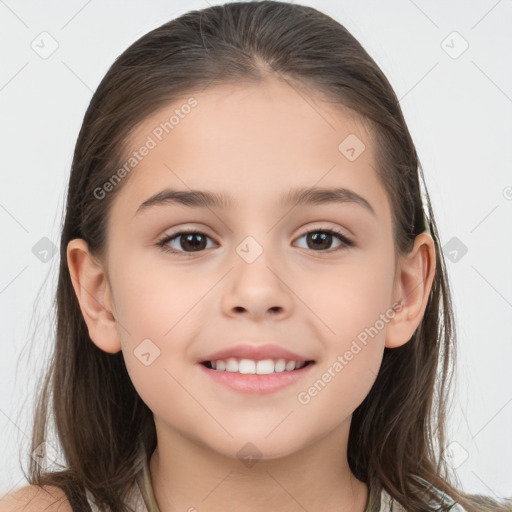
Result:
[[458, 108]]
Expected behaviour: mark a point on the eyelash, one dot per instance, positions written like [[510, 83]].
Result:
[[162, 243]]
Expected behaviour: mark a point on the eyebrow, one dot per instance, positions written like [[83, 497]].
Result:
[[221, 200]]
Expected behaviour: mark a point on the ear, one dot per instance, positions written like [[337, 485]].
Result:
[[94, 295], [414, 278]]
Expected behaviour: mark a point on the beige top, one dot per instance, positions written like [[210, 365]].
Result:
[[142, 498]]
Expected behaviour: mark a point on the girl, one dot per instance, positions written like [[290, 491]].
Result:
[[253, 307]]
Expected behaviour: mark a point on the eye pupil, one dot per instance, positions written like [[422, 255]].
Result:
[[317, 236], [191, 238]]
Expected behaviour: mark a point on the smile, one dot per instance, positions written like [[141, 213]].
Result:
[[254, 377], [252, 366]]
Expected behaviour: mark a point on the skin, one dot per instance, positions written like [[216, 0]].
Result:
[[255, 142]]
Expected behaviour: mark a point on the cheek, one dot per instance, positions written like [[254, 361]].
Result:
[[350, 299], [153, 345], [354, 315], [353, 304], [150, 301], [157, 319]]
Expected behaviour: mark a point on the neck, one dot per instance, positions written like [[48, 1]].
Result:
[[189, 476]]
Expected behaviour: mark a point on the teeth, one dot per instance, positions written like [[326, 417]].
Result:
[[250, 366]]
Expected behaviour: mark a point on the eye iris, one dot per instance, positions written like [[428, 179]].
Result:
[[191, 238], [322, 237]]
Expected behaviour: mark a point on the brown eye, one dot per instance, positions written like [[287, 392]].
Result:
[[322, 239], [184, 242]]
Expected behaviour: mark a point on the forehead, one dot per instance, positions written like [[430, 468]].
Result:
[[253, 140]]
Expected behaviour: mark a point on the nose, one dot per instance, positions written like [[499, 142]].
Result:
[[258, 291]]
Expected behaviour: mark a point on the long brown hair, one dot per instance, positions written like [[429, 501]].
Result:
[[398, 432]]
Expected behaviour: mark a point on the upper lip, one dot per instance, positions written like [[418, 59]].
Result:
[[256, 352]]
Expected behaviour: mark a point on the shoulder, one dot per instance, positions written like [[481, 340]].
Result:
[[32, 498]]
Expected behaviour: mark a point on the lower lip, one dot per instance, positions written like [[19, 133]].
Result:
[[257, 384]]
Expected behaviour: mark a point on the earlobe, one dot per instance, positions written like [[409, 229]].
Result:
[[413, 284], [94, 296]]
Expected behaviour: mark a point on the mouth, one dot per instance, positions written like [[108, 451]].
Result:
[[256, 377], [256, 367]]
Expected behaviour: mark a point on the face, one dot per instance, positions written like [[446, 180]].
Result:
[[262, 270]]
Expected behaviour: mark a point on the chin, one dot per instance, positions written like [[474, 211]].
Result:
[[251, 449]]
